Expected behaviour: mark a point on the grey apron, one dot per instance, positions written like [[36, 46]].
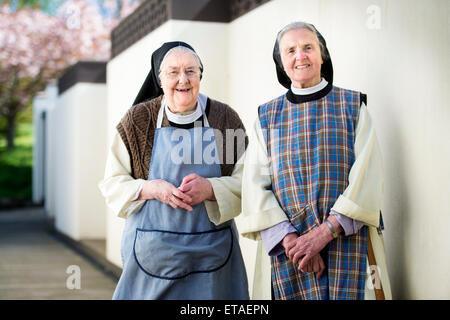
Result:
[[173, 253]]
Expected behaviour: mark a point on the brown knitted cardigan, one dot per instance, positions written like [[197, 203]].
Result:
[[137, 130]]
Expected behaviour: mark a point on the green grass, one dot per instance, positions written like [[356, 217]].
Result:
[[16, 164]]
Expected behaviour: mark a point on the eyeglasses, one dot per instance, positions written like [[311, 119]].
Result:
[[175, 74]]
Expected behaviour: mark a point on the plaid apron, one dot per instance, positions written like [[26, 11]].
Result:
[[310, 148]]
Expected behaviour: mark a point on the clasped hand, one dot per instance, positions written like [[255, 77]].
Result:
[[305, 250], [192, 190]]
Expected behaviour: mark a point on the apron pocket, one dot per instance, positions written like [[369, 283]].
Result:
[[175, 255]]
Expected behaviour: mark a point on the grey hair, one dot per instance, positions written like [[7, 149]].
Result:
[[183, 50], [300, 25]]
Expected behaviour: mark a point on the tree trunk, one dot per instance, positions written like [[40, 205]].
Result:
[[11, 130]]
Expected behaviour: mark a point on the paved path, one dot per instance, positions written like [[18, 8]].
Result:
[[34, 264]]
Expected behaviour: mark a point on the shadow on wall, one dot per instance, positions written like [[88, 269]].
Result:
[[396, 193], [399, 200]]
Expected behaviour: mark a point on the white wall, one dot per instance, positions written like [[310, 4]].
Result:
[[79, 138], [50, 158], [397, 52], [38, 186]]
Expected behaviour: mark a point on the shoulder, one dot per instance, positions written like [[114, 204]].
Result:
[[268, 111], [351, 95], [273, 104], [141, 114], [218, 106], [223, 115], [144, 109]]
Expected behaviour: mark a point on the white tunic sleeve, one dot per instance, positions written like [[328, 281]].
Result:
[[227, 191], [118, 187], [361, 200], [260, 208]]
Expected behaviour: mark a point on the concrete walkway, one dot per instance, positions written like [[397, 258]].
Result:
[[34, 264]]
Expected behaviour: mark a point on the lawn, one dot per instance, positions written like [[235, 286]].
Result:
[[16, 165]]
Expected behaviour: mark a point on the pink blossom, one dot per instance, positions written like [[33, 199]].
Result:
[[36, 47]]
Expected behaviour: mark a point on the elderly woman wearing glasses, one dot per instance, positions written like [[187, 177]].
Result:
[[172, 176]]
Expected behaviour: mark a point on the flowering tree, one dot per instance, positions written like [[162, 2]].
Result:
[[36, 47]]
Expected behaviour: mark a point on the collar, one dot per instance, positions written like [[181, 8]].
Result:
[[296, 95], [185, 118], [304, 91]]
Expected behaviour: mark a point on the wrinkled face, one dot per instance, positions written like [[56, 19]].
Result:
[[180, 81], [301, 57]]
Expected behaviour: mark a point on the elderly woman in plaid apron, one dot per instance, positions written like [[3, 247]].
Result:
[[312, 182]]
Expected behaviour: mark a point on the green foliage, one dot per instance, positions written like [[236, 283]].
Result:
[[16, 164], [26, 115], [44, 5], [2, 128]]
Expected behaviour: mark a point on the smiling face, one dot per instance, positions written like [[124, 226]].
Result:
[[180, 80], [301, 57]]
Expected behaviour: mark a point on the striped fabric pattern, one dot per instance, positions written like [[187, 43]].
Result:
[[310, 147]]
